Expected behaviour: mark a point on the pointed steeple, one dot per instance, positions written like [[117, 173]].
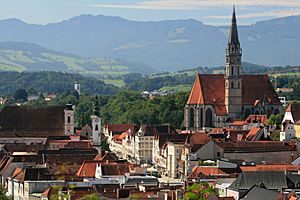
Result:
[[233, 36]]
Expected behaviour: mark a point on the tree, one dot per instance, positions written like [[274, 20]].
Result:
[[199, 191], [21, 95], [274, 120], [104, 145], [2, 194]]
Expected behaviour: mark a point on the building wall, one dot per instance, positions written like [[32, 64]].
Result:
[[232, 193], [173, 152], [38, 186], [27, 141], [288, 134], [297, 130], [209, 151]]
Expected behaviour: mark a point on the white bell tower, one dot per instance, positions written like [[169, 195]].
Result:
[[69, 119], [96, 124]]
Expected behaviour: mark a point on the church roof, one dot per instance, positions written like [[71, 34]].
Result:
[[209, 89], [28, 121]]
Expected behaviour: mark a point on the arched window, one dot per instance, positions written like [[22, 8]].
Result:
[[232, 70], [232, 84], [201, 118], [191, 118], [96, 127], [239, 85], [208, 118], [69, 119]]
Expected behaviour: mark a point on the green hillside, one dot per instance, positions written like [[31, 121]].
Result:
[[19, 56]]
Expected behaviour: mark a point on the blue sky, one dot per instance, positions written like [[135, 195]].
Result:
[[208, 11]]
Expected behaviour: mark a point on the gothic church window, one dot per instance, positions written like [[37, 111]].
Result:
[[201, 118], [208, 118], [191, 118]]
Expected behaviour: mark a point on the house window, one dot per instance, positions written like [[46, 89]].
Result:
[[218, 154], [96, 127]]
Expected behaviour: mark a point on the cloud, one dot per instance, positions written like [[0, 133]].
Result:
[[272, 13], [197, 4]]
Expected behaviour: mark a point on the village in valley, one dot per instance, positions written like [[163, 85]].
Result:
[[239, 139]]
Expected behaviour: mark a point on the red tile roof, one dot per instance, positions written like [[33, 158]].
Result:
[[252, 133], [207, 171], [115, 169], [16, 172], [238, 123], [256, 146], [210, 89], [88, 168], [106, 156], [201, 92], [79, 144], [31, 121], [120, 128], [199, 138], [271, 167], [257, 118], [123, 135]]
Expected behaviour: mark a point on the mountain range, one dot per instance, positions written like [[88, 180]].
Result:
[[163, 45]]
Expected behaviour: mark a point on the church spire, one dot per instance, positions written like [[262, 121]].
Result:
[[233, 36]]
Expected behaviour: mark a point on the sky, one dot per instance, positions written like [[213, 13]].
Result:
[[214, 12]]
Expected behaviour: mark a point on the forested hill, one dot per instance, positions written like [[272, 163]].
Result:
[[51, 82]]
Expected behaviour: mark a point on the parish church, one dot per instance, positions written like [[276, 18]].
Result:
[[217, 99]]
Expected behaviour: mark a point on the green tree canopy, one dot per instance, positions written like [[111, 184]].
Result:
[[20, 95]]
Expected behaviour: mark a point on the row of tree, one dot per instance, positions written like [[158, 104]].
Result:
[[51, 82], [125, 107]]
